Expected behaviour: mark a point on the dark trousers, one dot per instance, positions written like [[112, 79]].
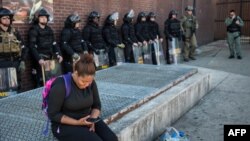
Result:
[[67, 67], [153, 54], [112, 59], [167, 52], [82, 133], [129, 56]]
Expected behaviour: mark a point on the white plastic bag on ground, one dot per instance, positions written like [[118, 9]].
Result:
[[172, 134]]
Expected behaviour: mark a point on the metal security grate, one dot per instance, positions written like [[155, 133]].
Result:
[[21, 117]]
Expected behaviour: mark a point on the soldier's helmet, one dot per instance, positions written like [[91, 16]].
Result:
[[93, 15], [6, 12], [189, 8], [129, 16], [39, 13], [72, 19]]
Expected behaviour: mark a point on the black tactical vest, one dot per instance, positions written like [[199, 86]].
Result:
[[44, 39], [174, 27], [233, 27], [75, 40], [96, 36], [113, 34]]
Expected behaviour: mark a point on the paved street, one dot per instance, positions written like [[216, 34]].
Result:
[[229, 98]]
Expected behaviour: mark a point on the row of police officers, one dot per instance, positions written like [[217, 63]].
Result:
[[105, 43]]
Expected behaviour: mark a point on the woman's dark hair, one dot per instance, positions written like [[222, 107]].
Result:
[[85, 66]]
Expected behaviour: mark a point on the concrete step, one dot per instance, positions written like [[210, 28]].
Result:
[[147, 122]]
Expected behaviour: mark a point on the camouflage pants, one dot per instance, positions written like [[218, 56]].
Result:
[[190, 45]]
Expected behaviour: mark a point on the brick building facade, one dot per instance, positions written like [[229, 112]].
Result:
[[205, 11]]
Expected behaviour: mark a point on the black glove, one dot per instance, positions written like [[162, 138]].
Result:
[[106, 50], [84, 45], [97, 52], [170, 39], [183, 38]]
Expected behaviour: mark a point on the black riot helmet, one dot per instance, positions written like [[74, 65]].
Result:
[[140, 16], [112, 18], [93, 15], [6, 12], [71, 20], [129, 16], [151, 15], [39, 13], [171, 13]]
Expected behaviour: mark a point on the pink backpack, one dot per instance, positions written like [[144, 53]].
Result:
[[46, 92]]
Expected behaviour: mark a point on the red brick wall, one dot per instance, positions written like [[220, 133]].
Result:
[[62, 8]]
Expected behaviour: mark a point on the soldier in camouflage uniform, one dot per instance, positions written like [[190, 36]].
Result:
[[234, 24], [13, 53], [189, 25]]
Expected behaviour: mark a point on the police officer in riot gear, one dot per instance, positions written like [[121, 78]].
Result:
[[172, 31], [189, 25], [143, 35], [92, 33], [153, 27], [128, 36], [112, 37], [71, 40], [43, 45], [234, 24], [12, 52], [141, 28], [154, 32]]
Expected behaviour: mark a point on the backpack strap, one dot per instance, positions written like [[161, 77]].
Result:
[[67, 82]]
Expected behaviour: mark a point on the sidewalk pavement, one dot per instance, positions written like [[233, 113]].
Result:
[[228, 102]]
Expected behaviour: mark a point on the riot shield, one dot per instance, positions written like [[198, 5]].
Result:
[[146, 51], [8, 79], [101, 60], [159, 52], [137, 51], [52, 68], [119, 55], [174, 50]]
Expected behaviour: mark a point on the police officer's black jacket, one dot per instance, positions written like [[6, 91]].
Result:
[[42, 41], [172, 28], [24, 50], [111, 35], [141, 31], [128, 33], [92, 33], [153, 29], [72, 42]]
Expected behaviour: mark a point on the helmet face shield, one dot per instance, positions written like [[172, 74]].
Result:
[[131, 14], [94, 14], [74, 18], [114, 16]]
